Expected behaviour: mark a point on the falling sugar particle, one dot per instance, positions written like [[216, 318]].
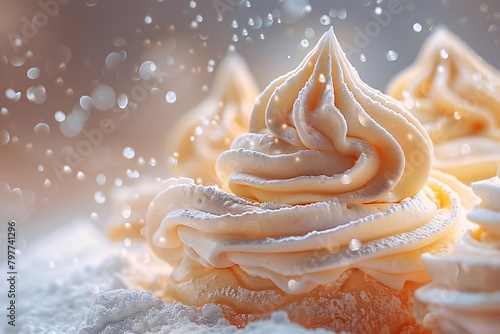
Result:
[[118, 182], [171, 97], [133, 174], [12, 94], [391, 55], [354, 245], [100, 179], [59, 116], [36, 94], [417, 27], [484, 7], [293, 284], [94, 216], [126, 211], [362, 57], [41, 168], [4, 137], [304, 43], [141, 161], [47, 183], [4, 111], [33, 73], [321, 78], [192, 4], [289, 57], [325, 20], [122, 100], [346, 179], [128, 152], [443, 53], [234, 24], [41, 129], [103, 97], [152, 162], [148, 19], [80, 176], [99, 197]]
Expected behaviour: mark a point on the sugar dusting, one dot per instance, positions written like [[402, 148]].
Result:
[[84, 290]]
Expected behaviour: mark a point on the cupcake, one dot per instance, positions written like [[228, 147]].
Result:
[[456, 96], [464, 296], [324, 210], [196, 141], [209, 128]]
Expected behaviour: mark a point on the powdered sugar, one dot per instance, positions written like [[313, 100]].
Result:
[[74, 281]]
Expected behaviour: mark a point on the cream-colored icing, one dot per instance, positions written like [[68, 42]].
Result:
[[333, 175], [207, 130], [464, 296], [456, 95]]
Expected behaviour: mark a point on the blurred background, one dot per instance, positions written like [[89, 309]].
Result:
[[89, 89]]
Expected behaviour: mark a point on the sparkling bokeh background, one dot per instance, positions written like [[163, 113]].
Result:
[[89, 89]]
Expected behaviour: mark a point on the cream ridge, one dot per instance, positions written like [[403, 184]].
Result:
[[464, 296], [332, 175], [456, 95]]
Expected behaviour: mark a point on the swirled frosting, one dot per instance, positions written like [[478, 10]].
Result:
[[333, 175], [207, 130], [464, 296], [456, 95]]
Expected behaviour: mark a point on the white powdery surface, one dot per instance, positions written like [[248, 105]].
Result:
[[71, 282]]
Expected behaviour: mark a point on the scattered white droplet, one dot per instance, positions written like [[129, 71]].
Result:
[[128, 152], [321, 78], [99, 197], [148, 19], [304, 43], [59, 116], [391, 55], [100, 179], [362, 57], [126, 211], [354, 245], [103, 97], [41, 129], [443, 53], [36, 94], [346, 179], [33, 73], [80, 176], [4, 137], [293, 284], [325, 20], [417, 27], [171, 97]]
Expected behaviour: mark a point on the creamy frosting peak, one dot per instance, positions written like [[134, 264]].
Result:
[[320, 133], [464, 296], [208, 129], [456, 96], [332, 176]]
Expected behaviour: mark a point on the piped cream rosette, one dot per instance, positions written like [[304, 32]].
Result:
[[209, 128], [333, 175], [456, 96], [464, 296]]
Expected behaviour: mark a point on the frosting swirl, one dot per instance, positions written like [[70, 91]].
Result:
[[464, 296], [456, 95], [365, 147], [208, 129], [365, 201]]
